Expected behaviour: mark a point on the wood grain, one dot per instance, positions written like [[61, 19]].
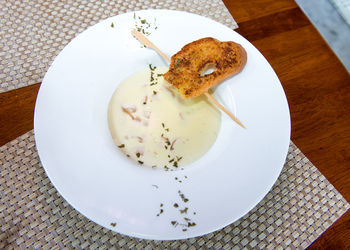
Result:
[[317, 87], [17, 112]]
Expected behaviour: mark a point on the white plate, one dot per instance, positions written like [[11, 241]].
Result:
[[88, 170]]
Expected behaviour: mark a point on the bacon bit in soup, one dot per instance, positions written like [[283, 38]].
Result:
[[147, 114], [129, 111]]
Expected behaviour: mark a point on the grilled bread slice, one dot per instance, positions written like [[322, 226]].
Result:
[[187, 66]]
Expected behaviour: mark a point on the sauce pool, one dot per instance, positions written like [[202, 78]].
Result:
[[156, 127]]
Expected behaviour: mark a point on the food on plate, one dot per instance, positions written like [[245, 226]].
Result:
[[188, 66], [155, 126]]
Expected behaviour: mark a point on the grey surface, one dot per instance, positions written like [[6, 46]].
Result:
[[331, 26]]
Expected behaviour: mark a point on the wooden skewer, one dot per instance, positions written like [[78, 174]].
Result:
[[223, 109], [150, 45]]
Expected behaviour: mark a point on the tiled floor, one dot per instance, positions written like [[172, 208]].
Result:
[[331, 25]]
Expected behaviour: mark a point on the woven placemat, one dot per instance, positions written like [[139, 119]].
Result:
[[301, 206], [34, 32]]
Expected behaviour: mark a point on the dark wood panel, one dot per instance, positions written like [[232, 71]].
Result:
[[273, 24], [244, 10], [16, 112]]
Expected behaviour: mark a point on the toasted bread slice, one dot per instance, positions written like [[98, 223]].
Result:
[[185, 71]]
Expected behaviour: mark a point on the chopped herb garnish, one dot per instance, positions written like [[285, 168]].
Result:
[[112, 25], [151, 68], [171, 160], [121, 146], [138, 154], [163, 125], [141, 162], [142, 25], [154, 92], [161, 204], [127, 155], [173, 223], [184, 210], [155, 186], [176, 205], [184, 199], [184, 229]]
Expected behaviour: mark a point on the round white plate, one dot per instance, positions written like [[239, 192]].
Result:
[[90, 172]]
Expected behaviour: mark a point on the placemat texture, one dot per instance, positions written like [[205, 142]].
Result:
[[33, 32], [301, 206]]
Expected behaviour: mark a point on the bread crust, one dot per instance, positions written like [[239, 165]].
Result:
[[186, 66]]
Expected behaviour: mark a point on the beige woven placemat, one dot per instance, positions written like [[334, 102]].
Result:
[[33, 32], [300, 207]]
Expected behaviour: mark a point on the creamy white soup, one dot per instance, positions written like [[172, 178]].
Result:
[[156, 127]]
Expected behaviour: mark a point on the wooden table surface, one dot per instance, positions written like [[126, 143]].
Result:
[[316, 84]]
